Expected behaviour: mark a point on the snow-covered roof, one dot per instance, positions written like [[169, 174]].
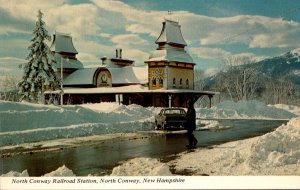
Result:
[[124, 75], [170, 54], [171, 33], [167, 51], [81, 77], [62, 43], [129, 74], [67, 63]]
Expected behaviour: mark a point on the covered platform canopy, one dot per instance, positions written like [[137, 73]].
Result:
[[133, 94]]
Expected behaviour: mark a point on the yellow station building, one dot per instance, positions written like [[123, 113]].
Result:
[[166, 80]]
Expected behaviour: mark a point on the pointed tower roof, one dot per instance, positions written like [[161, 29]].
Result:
[[171, 33], [170, 45], [62, 43], [63, 47]]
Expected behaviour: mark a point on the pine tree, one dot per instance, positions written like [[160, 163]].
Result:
[[38, 71]]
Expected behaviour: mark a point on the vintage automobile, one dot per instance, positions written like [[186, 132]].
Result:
[[170, 118]]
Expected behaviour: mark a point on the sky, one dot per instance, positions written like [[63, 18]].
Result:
[[213, 29]]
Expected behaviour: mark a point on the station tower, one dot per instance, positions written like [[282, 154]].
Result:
[[170, 66]]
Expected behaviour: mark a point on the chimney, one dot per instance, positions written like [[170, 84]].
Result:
[[103, 60], [120, 53], [117, 53]]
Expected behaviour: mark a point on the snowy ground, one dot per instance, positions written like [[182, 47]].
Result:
[[246, 110], [275, 153], [28, 125]]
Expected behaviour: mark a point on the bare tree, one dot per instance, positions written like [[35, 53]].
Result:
[[279, 91], [199, 79], [240, 77], [8, 88]]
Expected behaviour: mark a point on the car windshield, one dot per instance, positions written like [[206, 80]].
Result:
[[174, 111]]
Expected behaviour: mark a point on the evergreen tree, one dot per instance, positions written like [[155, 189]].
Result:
[[38, 71]]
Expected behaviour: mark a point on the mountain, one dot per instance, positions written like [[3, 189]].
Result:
[[287, 65]]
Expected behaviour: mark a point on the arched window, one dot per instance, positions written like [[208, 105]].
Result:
[[161, 82], [174, 82], [187, 83], [153, 82], [180, 82]]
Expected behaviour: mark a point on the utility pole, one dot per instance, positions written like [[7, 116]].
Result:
[[170, 101], [61, 82]]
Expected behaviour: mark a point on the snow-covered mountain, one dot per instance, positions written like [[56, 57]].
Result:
[[287, 65]]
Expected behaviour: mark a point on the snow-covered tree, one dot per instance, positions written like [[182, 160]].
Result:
[[38, 71]]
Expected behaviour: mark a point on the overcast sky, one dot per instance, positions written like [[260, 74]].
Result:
[[212, 28]]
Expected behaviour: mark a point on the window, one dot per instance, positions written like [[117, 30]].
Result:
[[180, 82], [187, 83], [154, 82], [161, 82], [174, 82]]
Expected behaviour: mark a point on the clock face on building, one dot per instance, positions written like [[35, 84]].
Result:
[[104, 77]]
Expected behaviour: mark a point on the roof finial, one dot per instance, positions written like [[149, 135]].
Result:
[[170, 16]]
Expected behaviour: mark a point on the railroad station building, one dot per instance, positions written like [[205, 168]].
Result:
[[166, 79]]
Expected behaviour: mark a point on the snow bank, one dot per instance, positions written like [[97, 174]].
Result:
[[275, 153], [290, 108], [18, 116], [278, 148], [142, 167], [61, 171], [16, 174], [25, 122], [244, 110]]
